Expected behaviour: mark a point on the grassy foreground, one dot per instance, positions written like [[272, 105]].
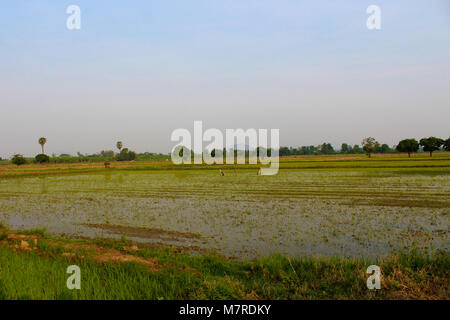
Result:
[[33, 266]]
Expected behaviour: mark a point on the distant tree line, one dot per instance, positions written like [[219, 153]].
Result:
[[327, 148], [370, 145], [124, 154]]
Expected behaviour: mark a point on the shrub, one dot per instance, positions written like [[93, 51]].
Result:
[[18, 159], [42, 158]]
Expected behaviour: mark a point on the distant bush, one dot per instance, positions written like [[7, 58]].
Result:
[[126, 155], [72, 159], [18, 159], [107, 153], [42, 158], [384, 148], [148, 156]]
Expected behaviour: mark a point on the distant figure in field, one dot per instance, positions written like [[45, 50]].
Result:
[[259, 172], [221, 172], [107, 164]]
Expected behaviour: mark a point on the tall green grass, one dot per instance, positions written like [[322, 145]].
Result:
[[181, 276]]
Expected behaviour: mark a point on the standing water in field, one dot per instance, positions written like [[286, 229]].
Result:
[[347, 212]]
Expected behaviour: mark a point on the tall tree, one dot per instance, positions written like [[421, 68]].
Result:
[[345, 148], [119, 145], [408, 145], [357, 149], [326, 148], [42, 141], [284, 151], [447, 145], [431, 144], [370, 145]]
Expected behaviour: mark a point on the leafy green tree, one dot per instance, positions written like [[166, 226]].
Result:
[[126, 155], [345, 148], [326, 148], [18, 159], [431, 144], [42, 158], [294, 151], [357, 149], [306, 150], [447, 145], [408, 145], [370, 145], [384, 148], [42, 141], [284, 151]]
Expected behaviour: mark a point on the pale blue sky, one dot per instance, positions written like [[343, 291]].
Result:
[[137, 70]]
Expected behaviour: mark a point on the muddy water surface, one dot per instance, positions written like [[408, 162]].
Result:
[[298, 212]]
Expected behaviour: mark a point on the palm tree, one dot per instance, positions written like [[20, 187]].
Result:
[[119, 145], [42, 141]]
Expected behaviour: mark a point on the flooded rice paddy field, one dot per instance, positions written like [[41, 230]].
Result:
[[345, 212]]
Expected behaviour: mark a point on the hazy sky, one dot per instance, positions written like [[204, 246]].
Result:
[[137, 70]]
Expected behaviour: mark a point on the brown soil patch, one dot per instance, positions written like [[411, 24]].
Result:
[[97, 253]]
